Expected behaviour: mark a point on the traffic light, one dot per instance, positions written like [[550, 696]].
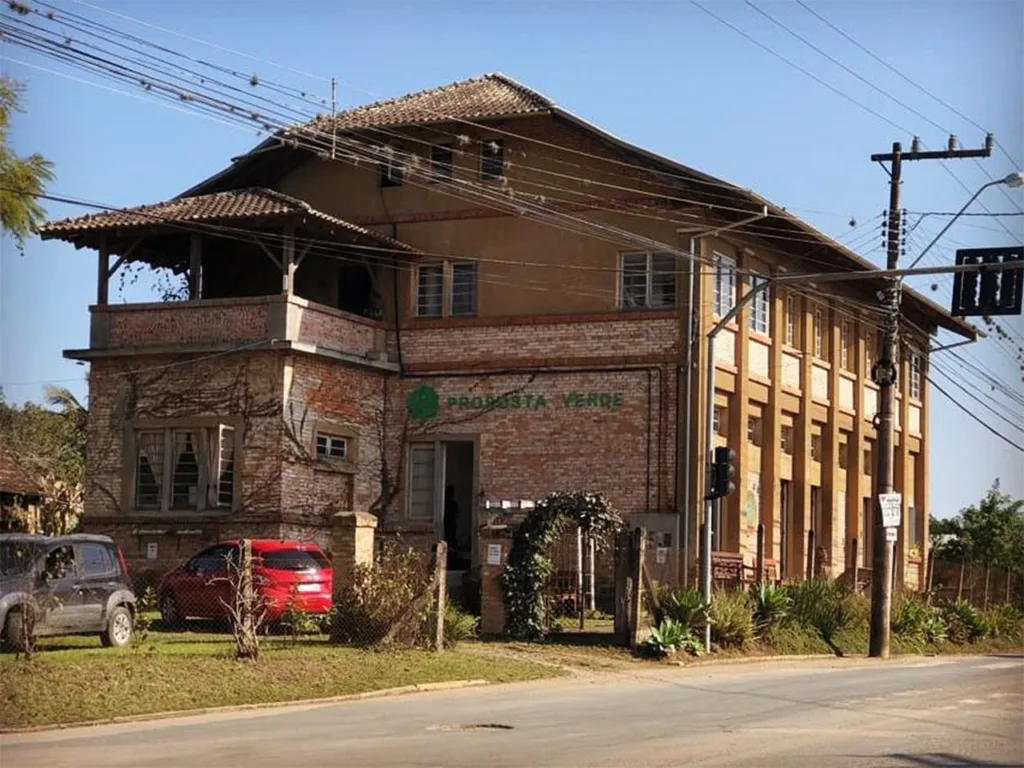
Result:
[[994, 291], [722, 472]]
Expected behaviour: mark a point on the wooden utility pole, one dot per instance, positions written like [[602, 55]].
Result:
[[886, 374]]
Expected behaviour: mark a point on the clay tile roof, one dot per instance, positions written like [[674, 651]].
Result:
[[14, 478], [215, 208], [489, 96]]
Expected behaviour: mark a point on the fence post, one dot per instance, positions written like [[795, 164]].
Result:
[[441, 584], [623, 548], [637, 574], [810, 554], [579, 575], [760, 554], [1008, 576], [592, 551], [960, 585], [855, 554]]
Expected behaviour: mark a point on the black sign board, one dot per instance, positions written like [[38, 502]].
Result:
[[991, 290]]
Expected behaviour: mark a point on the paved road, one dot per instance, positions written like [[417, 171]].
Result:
[[923, 712]]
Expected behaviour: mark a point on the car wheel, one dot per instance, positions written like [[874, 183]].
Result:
[[13, 636], [170, 614], [119, 628]]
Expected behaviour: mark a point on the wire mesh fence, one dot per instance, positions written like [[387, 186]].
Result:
[[979, 584], [396, 599]]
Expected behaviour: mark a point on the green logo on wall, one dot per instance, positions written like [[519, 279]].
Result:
[[423, 403]]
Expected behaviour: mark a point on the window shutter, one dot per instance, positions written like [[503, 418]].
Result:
[[222, 467]]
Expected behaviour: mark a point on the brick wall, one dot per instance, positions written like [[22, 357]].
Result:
[[331, 395], [551, 339], [610, 431], [123, 393], [235, 320], [317, 324]]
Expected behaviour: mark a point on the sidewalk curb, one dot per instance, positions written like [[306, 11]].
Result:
[[179, 713]]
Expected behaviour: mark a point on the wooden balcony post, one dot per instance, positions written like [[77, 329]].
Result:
[[288, 265], [195, 267], [103, 274]]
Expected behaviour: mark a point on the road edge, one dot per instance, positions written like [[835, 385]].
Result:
[[178, 713]]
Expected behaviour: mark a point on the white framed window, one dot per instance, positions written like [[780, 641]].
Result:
[[791, 319], [429, 290], [184, 468], [719, 420], [648, 281], [392, 167], [442, 161], [915, 375], [492, 159], [786, 439], [816, 444], [330, 446], [464, 279], [820, 315], [760, 319], [754, 430], [724, 293]]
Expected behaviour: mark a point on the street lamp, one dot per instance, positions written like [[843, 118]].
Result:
[[1012, 180]]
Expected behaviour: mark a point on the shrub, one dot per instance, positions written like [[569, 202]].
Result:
[[459, 626], [685, 606], [771, 606], [795, 639], [1005, 623], [295, 622], [732, 619], [671, 636], [964, 624], [910, 617], [366, 608], [826, 606]]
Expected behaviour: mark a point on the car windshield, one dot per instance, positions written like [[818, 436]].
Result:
[[294, 560], [16, 557]]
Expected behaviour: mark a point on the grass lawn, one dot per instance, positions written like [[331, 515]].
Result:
[[73, 679]]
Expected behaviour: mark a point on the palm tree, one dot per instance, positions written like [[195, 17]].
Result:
[[22, 179]]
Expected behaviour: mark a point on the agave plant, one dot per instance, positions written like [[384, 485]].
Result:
[[670, 636], [964, 623], [686, 606], [771, 605]]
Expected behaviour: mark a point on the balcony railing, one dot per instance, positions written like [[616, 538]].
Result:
[[235, 322]]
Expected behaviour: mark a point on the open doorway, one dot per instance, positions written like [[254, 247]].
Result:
[[441, 479], [458, 504]]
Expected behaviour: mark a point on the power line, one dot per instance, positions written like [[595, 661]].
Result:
[[900, 74], [974, 416]]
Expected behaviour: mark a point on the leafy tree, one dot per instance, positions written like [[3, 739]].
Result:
[[989, 532], [22, 179], [49, 441]]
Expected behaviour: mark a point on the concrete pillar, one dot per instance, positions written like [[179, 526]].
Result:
[[352, 544], [494, 546]]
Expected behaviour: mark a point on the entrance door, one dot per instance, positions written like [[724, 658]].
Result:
[[441, 495]]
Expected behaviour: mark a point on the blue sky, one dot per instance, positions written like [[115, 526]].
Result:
[[664, 75]]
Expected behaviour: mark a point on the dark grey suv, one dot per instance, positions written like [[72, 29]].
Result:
[[78, 584]]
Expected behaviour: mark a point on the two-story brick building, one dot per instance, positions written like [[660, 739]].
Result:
[[469, 294]]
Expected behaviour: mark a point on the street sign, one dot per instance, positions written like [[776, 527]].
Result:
[[890, 534], [892, 507]]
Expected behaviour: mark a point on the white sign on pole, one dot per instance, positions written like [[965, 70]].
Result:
[[892, 507], [151, 550], [494, 554], [661, 555], [890, 534]]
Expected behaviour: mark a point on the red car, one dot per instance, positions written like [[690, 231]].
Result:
[[283, 572]]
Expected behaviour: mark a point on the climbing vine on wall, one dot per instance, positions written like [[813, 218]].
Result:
[[529, 566]]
